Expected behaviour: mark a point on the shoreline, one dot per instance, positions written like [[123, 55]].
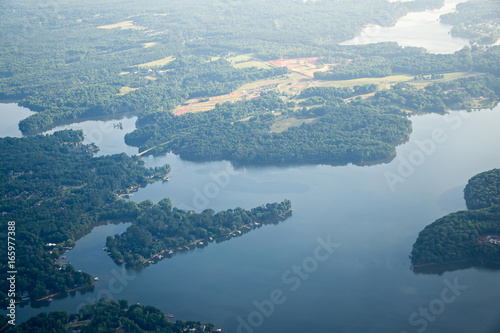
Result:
[[204, 241], [63, 292], [457, 262]]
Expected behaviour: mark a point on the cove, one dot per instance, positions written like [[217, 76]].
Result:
[[365, 284]]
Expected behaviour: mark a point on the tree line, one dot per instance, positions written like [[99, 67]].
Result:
[[456, 237], [109, 316], [160, 228]]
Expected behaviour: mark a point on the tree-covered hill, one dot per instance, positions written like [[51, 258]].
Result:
[[109, 316], [462, 236]]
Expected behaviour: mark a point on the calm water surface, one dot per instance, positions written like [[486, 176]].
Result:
[[11, 114], [106, 134], [421, 29], [365, 285], [374, 214]]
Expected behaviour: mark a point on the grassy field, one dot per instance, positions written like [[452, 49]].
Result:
[[303, 66], [126, 90], [146, 45], [382, 82], [122, 25], [246, 61], [299, 79], [447, 77], [160, 62], [253, 63], [282, 125]]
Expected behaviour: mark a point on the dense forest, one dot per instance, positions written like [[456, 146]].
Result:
[[477, 20], [109, 316], [111, 62], [331, 130], [463, 236], [384, 59], [53, 189], [70, 60], [161, 230], [241, 132], [76, 61]]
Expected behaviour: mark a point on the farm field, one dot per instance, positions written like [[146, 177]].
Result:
[[150, 44], [126, 90], [300, 78], [303, 66], [159, 62], [122, 25]]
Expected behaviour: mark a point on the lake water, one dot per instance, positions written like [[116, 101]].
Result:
[[11, 114], [373, 214], [105, 133], [364, 285], [421, 29]]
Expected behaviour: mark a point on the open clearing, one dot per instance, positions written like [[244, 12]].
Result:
[[126, 90], [253, 63], [304, 66], [282, 125], [382, 82], [160, 62], [122, 25], [447, 77], [246, 61], [146, 45], [291, 84], [300, 78]]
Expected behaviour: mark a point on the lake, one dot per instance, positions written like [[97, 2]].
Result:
[[421, 29], [107, 133], [11, 114], [364, 284], [286, 277]]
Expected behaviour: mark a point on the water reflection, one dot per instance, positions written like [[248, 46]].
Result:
[[420, 29]]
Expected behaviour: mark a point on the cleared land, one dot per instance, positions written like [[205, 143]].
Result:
[[146, 45], [126, 90], [382, 82], [300, 78], [282, 125], [159, 62], [291, 83], [303, 66], [246, 61], [122, 25]]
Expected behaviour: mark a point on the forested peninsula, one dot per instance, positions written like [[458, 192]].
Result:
[[160, 230], [467, 236], [252, 82], [108, 316], [53, 189]]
